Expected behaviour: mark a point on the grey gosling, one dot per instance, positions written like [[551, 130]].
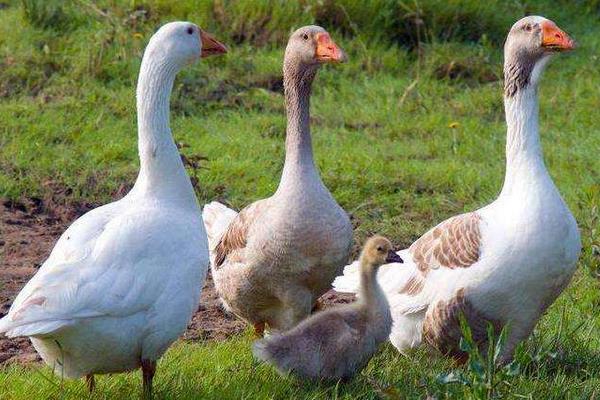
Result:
[[337, 343]]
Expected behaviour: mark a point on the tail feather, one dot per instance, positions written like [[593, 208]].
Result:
[[260, 351], [4, 324], [349, 281], [390, 277], [11, 330], [271, 351], [217, 218]]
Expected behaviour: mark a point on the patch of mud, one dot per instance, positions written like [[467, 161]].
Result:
[[211, 322], [28, 231]]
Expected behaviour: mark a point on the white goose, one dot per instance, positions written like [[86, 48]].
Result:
[[124, 279], [504, 263]]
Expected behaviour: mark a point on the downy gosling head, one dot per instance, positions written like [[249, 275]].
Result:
[[378, 251]]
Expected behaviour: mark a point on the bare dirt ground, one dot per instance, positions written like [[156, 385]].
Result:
[[28, 231]]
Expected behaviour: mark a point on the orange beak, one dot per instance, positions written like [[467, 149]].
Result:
[[554, 39], [210, 45], [327, 50]]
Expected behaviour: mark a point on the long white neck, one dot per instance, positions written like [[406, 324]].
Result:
[[162, 173], [524, 162]]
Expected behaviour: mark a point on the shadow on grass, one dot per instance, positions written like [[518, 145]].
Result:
[[578, 362]]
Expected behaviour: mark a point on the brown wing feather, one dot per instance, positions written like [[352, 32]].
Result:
[[235, 237], [413, 287], [455, 243], [441, 326]]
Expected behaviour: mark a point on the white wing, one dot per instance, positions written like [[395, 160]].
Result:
[[107, 265], [217, 218]]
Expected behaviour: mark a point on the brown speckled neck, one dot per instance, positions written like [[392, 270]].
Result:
[[517, 74]]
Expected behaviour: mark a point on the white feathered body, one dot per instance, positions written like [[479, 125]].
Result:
[[505, 263], [120, 285], [123, 280], [530, 244]]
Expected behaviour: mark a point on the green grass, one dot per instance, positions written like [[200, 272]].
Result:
[[398, 155]]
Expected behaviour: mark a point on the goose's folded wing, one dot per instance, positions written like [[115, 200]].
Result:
[[438, 261], [455, 243], [235, 237], [119, 271]]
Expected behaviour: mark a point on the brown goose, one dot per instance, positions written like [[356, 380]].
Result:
[[273, 260], [339, 342]]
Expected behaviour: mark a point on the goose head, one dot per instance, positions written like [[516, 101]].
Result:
[[530, 44], [378, 251], [311, 46], [181, 43]]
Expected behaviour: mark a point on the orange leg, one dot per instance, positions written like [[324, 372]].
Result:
[[259, 329]]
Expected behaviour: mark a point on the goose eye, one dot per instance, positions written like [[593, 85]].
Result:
[[190, 30], [379, 249], [305, 36], [527, 27]]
